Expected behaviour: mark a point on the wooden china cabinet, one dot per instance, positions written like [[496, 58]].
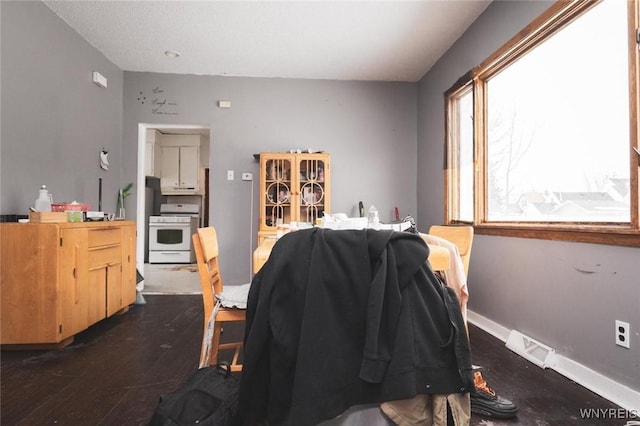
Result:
[[293, 188]]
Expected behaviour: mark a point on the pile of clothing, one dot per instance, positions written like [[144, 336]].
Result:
[[342, 318]]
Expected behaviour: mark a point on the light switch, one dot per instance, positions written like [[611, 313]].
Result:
[[230, 175]]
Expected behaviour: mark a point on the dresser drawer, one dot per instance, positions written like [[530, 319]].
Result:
[[105, 256], [104, 237]]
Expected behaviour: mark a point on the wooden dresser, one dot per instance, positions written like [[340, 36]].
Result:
[[57, 279]]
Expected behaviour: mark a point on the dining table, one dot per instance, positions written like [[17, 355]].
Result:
[[438, 256]]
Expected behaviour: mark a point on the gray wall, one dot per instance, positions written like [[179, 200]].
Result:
[[565, 295], [369, 128], [55, 120]]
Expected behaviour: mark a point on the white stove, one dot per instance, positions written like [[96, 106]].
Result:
[[170, 233]]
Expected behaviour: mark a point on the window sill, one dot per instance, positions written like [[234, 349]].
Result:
[[610, 235]]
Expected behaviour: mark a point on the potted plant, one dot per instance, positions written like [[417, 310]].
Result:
[[122, 194]]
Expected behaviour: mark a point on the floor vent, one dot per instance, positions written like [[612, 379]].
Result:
[[541, 355]]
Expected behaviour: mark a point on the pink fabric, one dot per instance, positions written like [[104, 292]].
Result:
[[454, 277]]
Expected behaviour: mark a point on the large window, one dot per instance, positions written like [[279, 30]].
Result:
[[541, 136]]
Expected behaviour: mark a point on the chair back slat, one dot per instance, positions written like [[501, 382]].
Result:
[[205, 243], [209, 240], [461, 236]]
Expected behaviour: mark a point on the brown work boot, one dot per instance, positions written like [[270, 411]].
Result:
[[485, 401]]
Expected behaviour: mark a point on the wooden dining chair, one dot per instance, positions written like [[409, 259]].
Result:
[[461, 236], [205, 243]]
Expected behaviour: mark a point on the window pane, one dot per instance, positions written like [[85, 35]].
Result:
[[465, 114], [558, 126]]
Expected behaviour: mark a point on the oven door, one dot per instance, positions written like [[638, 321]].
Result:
[[169, 236]]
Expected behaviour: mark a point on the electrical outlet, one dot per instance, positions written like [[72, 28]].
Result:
[[247, 176], [230, 175], [622, 334]]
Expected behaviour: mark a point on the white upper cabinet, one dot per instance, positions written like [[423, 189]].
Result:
[[180, 165]]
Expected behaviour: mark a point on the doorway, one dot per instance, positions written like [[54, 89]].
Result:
[[146, 153]]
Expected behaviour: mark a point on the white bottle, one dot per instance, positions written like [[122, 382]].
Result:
[[372, 218], [43, 203]]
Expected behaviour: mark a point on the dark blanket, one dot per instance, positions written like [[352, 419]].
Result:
[[340, 318]]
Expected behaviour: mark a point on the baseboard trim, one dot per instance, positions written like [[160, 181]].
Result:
[[611, 390], [491, 327]]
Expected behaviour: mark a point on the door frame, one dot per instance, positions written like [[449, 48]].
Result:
[[141, 232]]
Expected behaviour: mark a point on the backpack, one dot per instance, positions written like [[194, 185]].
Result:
[[210, 397]]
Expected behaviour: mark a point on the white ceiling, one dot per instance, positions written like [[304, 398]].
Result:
[[344, 40]]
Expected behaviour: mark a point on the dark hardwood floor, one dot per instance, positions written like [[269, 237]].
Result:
[[544, 397], [114, 372]]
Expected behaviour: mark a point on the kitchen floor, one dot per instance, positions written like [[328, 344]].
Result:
[[162, 278]]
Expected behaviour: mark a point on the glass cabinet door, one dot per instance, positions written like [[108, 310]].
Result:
[[311, 189], [277, 191]]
